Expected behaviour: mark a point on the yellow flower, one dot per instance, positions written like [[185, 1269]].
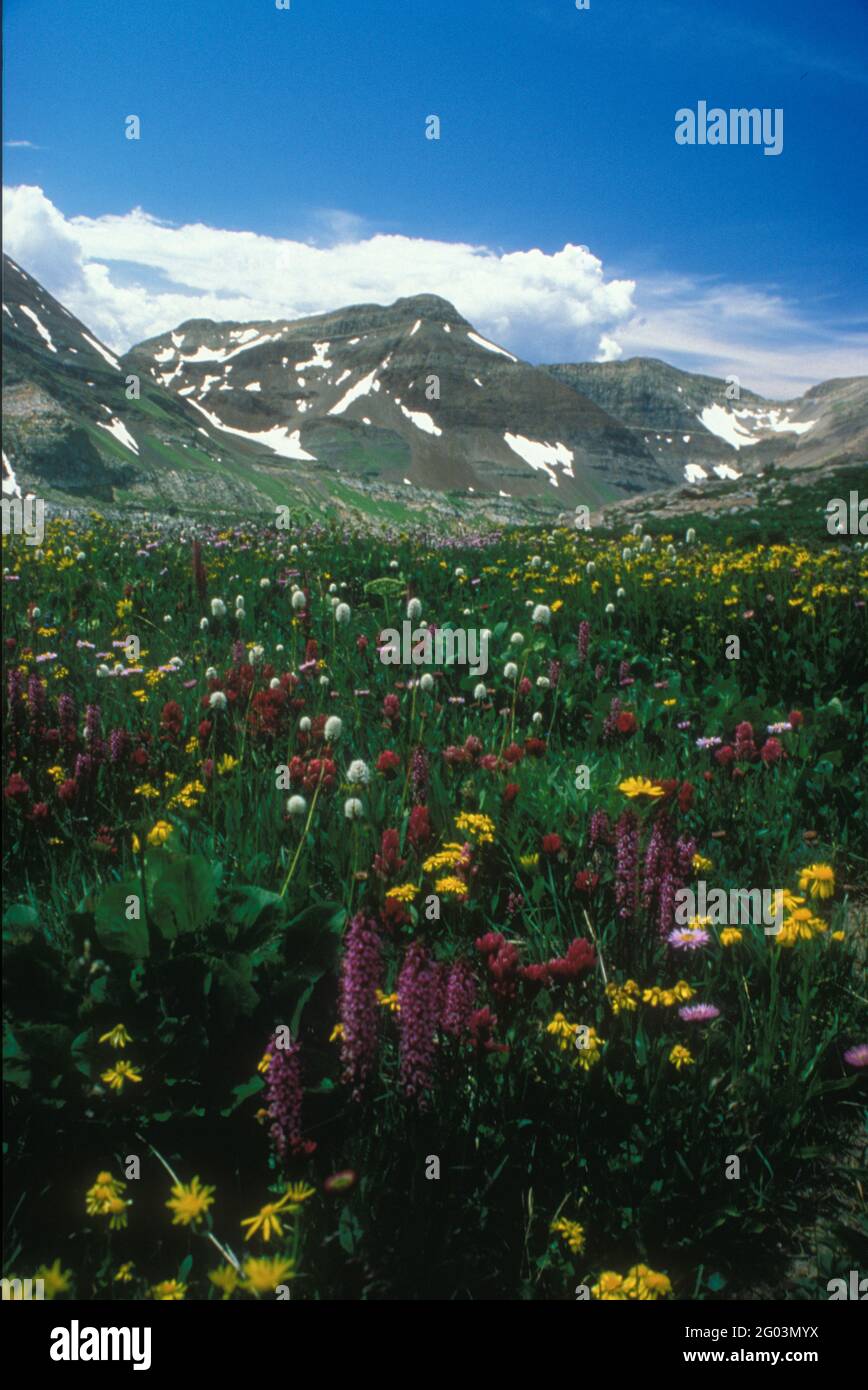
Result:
[[123, 606], [54, 1279], [117, 1036], [116, 1210], [680, 1057], [264, 1275], [572, 1232], [169, 1291], [189, 1203], [136, 844], [159, 833], [192, 744], [445, 858], [337, 1033], [730, 936], [388, 1001], [609, 1287], [701, 865], [528, 861], [451, 886], [226, 764], [57, 773], [403, 892], [146, 789], [299, 1192], [622, 997], [264, 1063], [818, 879], [480, 828], [682, 992], [267, 1219], [639, 786], [656, 1285], [563, 1030], [125, 1273], [103, 1191], [118, 1074], [225, 1278]]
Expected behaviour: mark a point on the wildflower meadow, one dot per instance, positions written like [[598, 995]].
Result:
[[334, 974]]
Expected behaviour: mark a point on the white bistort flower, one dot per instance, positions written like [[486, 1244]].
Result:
[[414, 609], [296, 806], [542, 682], [690, 537], [218, 608], [610, 607], [333, 728], [265, 582], [353, 808], [274, 683], [203, 624], [480, 692], [516, 640], [510, 671], [343, 614], [358, 773], [542, 614], [217, 700], [426, 682], [298, 600], [211, 673], [304, 724]]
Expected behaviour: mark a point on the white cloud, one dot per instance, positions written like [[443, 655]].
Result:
[[133, 276], [549, 306], [608, 349]]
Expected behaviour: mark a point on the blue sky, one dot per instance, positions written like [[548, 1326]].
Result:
[[557, 127]]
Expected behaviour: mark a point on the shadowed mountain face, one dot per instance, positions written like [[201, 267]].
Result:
[[409, 392], [701, 426]]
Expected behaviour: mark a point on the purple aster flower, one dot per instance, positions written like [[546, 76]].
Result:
[[699, 1013], [685, 939], [857, 1056]]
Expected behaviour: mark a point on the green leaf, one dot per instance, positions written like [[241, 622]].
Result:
[[183, 895], [115, 931]]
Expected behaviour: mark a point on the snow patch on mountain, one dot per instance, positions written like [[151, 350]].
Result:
[[542, 455], [103, 352], [422, 420], [278, 439], [40, 328], [718, 421], [120, 432], [361, 388], [491, 347]]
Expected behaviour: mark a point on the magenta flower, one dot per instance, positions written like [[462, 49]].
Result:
[[685, 939], [419, 994], [283, 1090], [857, 1056], [699, 1013], [360, 978]]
